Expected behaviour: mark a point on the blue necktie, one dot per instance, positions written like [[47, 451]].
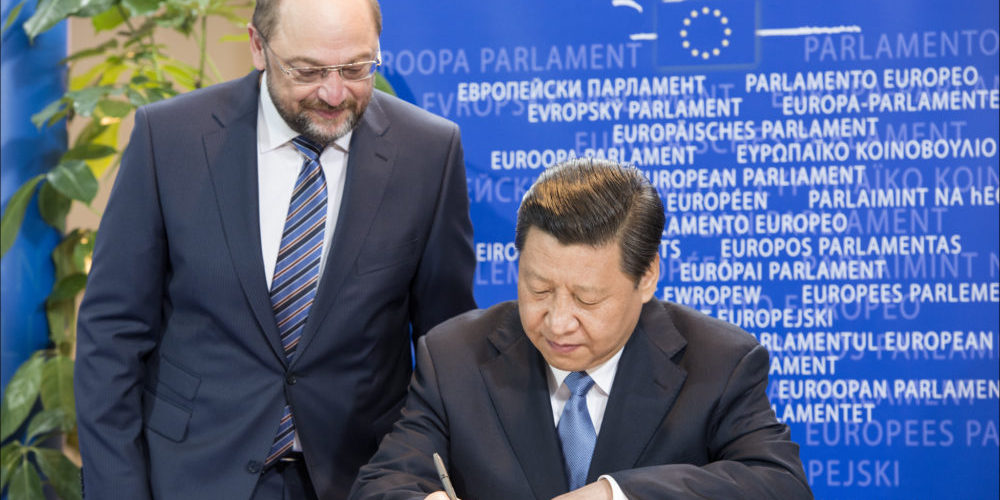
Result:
[[576, 430], [296, 272]]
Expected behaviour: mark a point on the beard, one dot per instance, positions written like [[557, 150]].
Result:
[[303, 123]]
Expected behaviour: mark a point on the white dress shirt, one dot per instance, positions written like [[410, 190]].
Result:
[[597, 401], [278, 165]]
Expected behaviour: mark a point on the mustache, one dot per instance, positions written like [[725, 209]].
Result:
[[319, 105]]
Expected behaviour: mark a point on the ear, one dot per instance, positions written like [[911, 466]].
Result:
[[647, 283], [257, 48]]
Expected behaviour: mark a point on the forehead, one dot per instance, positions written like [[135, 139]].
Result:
[[325, 27], [577, 265]]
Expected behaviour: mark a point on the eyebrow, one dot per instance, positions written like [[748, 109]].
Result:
[[297, 61], [529, 274]]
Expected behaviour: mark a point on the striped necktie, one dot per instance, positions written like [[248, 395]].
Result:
[[576, 430], [296, 273]]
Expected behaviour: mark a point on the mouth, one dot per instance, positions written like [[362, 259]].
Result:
[[562, 348], [327, 113]]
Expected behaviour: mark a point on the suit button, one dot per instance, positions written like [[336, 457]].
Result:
[[290, 378], [253, 466]]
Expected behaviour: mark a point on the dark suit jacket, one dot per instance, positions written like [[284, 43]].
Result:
[[687, 416], [180, 377]]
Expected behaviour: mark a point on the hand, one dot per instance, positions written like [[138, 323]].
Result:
[[597, 490], [437, 495]]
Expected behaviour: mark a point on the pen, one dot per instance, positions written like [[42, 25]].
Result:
[[443, 474]]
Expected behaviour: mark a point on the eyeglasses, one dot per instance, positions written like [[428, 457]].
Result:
[[308, 75]]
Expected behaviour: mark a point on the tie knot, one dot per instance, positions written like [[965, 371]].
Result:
[[308, 147], [579, 383]]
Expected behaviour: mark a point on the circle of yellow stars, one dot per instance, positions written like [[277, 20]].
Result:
[[706, 13]]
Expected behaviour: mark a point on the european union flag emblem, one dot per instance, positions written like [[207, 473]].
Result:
[[698, 33]]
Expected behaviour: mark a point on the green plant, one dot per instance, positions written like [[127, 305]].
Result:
[[128, 70]]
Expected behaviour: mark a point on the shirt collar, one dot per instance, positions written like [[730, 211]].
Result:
[[273, 132], [603, 374]]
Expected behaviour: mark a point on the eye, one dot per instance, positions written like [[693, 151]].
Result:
[[309, 74], [353, 71], [356, 71], [588, 301]]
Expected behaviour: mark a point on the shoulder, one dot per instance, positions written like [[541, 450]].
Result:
[[478, 333], [696, 325], [407, 116], [220, 101], [707, 339]]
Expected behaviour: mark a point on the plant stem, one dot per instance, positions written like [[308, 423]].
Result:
[[151, 45], [202, 51]]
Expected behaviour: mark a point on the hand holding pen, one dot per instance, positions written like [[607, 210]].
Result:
[[449, 491]]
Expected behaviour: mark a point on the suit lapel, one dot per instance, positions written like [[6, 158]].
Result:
[[231, 155], [645, 388], [518, 387], [369, 168]]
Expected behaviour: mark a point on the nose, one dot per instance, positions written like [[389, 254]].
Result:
[[561, 317], [332, 90]]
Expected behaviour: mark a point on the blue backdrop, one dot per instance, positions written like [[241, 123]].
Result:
[[830, 175], [31, 78]]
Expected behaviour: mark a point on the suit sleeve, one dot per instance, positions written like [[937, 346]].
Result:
[[753, 454], [442, 287], [119, 324], [401, 467]]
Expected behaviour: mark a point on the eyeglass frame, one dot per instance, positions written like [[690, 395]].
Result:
[[324, 70]]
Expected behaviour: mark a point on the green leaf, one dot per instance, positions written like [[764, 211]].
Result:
[[25, 483], [45, 422], [159, 94], [89, 152], [53, 206], [139, 35], [67, 288], [50, 113], [86, 99], [62, 256], [72, 254], [74, 179], [86, 79], [141, 7], [135, 97], [71, 257], [13, 214], [10, 455], [92, 8], [48, 14], [117, 109], [178, 17], [93, 51], [105, 134], [12, 16], [61, 316], [111, 74], [183, 74], [382, 84], [91, 131], [83, 250], [57, 385], [63, 475], [242, 37], [20, 395], [107, 20]]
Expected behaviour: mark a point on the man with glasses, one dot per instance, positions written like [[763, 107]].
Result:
[[270, 250]]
